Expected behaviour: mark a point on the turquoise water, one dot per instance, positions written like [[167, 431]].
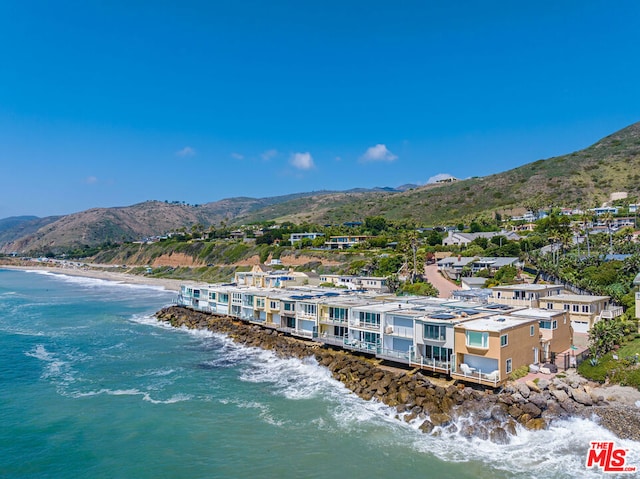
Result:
[[92, 386]]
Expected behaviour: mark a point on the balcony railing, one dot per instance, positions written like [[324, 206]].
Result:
[[471, 374], [430, 363], [302, 333], [327, 320], [331, 339], [358, 345], [399, 331], [611, 313], [367, 326]]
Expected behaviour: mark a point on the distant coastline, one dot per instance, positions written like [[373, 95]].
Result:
[[97, 273]]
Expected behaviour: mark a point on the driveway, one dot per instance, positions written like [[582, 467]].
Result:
[[443, 285]]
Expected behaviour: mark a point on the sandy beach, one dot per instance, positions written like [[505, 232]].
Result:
[[95, 272]]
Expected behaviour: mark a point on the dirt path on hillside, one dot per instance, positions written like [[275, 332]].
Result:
[[443, 285]]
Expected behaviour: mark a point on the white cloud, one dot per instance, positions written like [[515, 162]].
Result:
[[186, 151], [378, 153], [269, 154], [237, 156], [302, 161], [439, 177], [90, 180]]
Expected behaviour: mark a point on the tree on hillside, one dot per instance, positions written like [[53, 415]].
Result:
[[375, 224]]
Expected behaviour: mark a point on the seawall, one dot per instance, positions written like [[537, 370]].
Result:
[[469, 411]]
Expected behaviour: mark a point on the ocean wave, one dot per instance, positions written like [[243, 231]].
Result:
[[146, 396], [559, 451], [98, 282]]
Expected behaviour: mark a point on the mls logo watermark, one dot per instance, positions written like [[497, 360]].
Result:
[[609, 458]]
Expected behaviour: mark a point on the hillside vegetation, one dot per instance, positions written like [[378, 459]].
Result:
[[584, 178]]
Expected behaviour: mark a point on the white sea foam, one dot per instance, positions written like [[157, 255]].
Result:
[[146, 396], [559, 451], [96, 282], [56, 368]]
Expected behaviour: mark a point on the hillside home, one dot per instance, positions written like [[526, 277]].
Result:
[[296, 237], [346, 241], [457, 238], [488, 349], [523, 295], [584, 309]]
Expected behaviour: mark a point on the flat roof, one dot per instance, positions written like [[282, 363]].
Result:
[[538, 313], [528, 287], [495, 323], [577, 298]]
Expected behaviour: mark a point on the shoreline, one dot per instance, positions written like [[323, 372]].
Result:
[[117, 277], [617, 399], [486, 414]]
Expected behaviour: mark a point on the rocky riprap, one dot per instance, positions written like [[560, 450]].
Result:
[[456, 408]]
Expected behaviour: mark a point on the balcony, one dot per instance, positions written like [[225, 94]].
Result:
[[333, 321], [398, 331], [331, 339], [467, 373], [366, 326], [357, 345], [430, 364], [611, 313]]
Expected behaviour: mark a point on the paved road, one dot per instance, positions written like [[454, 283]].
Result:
[[443, 285]]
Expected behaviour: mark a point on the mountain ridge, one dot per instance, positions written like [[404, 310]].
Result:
[[583, 178]]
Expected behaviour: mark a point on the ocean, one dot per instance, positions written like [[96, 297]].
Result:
[[92, 386]]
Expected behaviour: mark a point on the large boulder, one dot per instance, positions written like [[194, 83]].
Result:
[[581, 397]]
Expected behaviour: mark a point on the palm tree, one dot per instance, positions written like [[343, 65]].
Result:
[[586, 218], [607, 219]]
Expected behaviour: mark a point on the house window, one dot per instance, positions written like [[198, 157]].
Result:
[[504, 340], [273, 304], [532, 330], [370, 318], [259, 302], [549, 305], [196, 293], [309, 309], [555, 325], [477, 339], [509, 365], [223, 298], [338, 314], [434, 332], [575, 308], [438, 353], [212, 296], [586, 308], [566, 307]]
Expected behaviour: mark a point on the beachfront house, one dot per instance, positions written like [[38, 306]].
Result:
[[488, 349], [556, 333]]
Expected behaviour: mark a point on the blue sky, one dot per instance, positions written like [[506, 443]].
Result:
[[113, 103]]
